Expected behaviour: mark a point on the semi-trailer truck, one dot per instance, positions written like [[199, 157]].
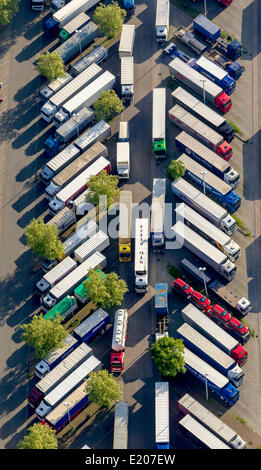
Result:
[[188, 38], [86, 97], [129, 7], [189, 406], [68, 131], [63, 309], [74, 46], [210, 353], [71, 171], [202, 86], [161, 299], [56, 101], [123, 160], [227, 393], [203, 112], [121, 418], [204, 205], [162, 415], [203, 438], [72, 26], [204, 250], [118, 340], [158, 215], [100, 132], [238, 304], [141, 255], [46, 365], [127, 79], [215, 73], [214, 333], [54, 166], [66, 285], [159, 122], [77, 185], [91, 326], [47, 91], [98, 242], [210, 183], [83, 233], [56, 274], [60, 372], [234, 69], [206, 157], [97, 56], [53, 24], [207, 230], [125, 226], [127, 40], [68, 385], [201, 131], [162, 20]]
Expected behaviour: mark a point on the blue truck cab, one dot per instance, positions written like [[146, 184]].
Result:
[[234, 49], [235, 70], [214, 73], [51, 146], [50, 27], [129, 6], [161, 298]]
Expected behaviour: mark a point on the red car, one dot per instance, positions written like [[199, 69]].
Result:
[[237, 329], [182, 288], [200, 301], [218, 313]]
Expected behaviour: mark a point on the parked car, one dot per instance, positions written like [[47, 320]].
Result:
[[182, 288]]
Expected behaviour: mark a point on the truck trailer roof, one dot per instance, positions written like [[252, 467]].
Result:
[[158, 113], [202, 433], [120, 435], [90, 322], [204, 368], [125, 216], [162, 13], [69, 343], [76, 23], [126, 39], [68, 9], [211, 67], [69, 127], [161, 412], [92, 135], [65, 155], [158, 205], [127, 71], [59, 411]]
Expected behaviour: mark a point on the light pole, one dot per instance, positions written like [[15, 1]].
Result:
[[76, 116], [80, 44], [69, 417], [206, 383], [205, 6], [204, 173], [204, 91], [204, 279]]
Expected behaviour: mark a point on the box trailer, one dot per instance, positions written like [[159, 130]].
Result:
[[56, 275], [141, 256], [98, 242], [199, 434], [58, 163], [161, 298], [72, 26], [158, 215], [214, 73], [97, 56], [81, 292], [120, 433], [64, 309], [100, 132], [83, 233], [118, 340], [162, 20], [127, 40], [123, 160], [91, 326], [125, 226], [162, 415], [159, 122], [74, 46], [45, 365], [47, 91], [127, 79]]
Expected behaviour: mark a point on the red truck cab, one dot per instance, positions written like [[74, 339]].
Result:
[[225, 3], [224, 150], [34, 398], [240, 355], [200, 301], [223, 102], [117, 361], [238, 329], [182, 288]]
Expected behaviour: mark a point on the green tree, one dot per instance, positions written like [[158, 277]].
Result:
[[8, 8], [109, 18], [107, 105], [44, 335], [43, 239], [105, 291], [103, 184], [39, 437], [50, 64], [168, 355], [102, 388], [176, 169]]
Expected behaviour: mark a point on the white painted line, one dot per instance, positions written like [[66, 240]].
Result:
[[4, 63]]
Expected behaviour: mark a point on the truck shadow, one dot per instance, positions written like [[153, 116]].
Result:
[[247, 28], [253, 252]]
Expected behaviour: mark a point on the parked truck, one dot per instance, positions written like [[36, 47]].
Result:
[[118, 340], [204, 250], [98, 242], [215, 73], [37, 5], [127, 79], [60, 372], [97, 56], [202, 154], [47, 91], [82, 234], [90, 327], [125, 226], [203, 112], [207, 230], [234, 69], [68, 385], [188, 38], [203, 86], [66, 285], [227, 393], [202, 437], [129, 7], [211, 184], [162, 20], [161, 299], [64, 309], [74, 46], [121, 418], [141, 255], [162, 415], [72, 26], [81, 292], [205, 206], [210, 353], [159, 122], [55, 357], [56, 275], [77, 185], [189, 406], [127, 40], [223, 292], [198, 320], [56, 101], [86, 97], [71, 171], [201, 131], [158, 215], [123, 160], [53, 24], [68, 131]]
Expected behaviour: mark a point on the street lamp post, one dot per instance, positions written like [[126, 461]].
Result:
[[204, 91], [76, 116], [80, 44], [67, 404], [204, 173], [206, 383], [204, 279], [205, 7]]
